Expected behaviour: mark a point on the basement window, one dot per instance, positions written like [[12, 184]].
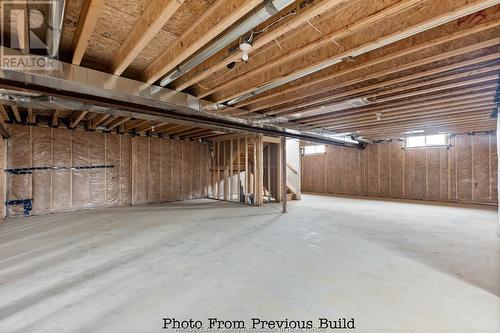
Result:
[[427, 141], [314, 150]]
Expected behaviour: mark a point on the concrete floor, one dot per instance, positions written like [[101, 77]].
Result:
[[393, 266]]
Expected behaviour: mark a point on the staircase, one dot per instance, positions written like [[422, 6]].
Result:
[[292, 169]]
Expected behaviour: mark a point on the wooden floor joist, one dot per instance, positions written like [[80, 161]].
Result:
[[85, 28], [4, 113], [387, 58], [77, 118], [370, 68], [365, 48], [117, 122], [31, 116], [55, 118], [325, 40], [490, 74], [96, 121], [149, 24], [200, 33], [397, 69], [415, 107], [418, 101]]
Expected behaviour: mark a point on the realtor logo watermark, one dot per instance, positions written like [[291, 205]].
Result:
[[30, 33]]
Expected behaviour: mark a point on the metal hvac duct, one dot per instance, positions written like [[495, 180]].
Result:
[[56, 22], [78, 88], [270, 8]]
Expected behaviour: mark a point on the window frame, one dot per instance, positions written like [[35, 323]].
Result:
[[303, 153], [426, 146]]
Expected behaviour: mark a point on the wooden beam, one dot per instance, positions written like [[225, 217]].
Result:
[[117, 122], [3, 131], [158, 128], [196, 131], [22, 28], [17, 115], [469, 114], [204, 136], [139, 123], [452, 129], [400, 68], [467, 124], [76, 118], [109, 120], [491, 71], [86, 24], [31, 116], [445, 126], [386, 40], [431, 99], [199, 35], [384, 118], [55, 118], [302, 18], [188, 131], [408, 108], [4, 113], [149, 24], [180, 130], [97, 120], [314, 11], [283, 175], [386, 58], [171, 129]]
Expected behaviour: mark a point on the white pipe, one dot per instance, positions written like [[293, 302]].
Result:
[[56, 22]]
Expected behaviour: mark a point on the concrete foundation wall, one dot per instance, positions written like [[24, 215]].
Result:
[[141, 169], [466, 172]]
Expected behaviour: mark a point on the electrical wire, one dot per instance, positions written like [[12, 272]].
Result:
[[293, 12]]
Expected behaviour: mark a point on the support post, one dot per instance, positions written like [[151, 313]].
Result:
[[283, 174], [498, 171]]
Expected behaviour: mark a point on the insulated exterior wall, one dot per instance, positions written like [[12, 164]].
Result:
[[466, 172], [3, 161], [143, 169]]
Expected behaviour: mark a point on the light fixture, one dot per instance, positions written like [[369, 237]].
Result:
[[379, 116], [245, 47]]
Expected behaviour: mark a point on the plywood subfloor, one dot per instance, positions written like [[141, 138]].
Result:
[[394, 266]]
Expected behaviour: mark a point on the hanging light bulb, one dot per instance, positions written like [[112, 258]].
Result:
[[245, 47]]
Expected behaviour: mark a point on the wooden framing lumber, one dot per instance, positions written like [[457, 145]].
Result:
[[440, 105], [55, 118], [376, 44], [341, 33], [386, 58], [22, 28], [3, 131], [296, 22], [4, 113], [132, 125], [76, 118], [117, 122], [417, 75], [384, 119], [31, 116], [343, 96], [86, 25], [96, 121], [421, 101], [149, 24], [199, 35], [283, 175], [15, 111]]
